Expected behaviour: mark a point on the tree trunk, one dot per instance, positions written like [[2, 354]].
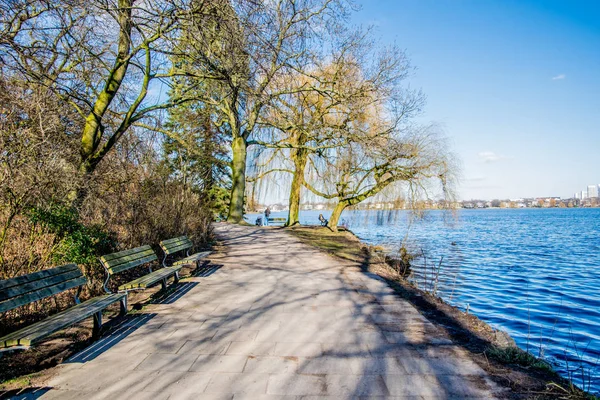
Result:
[[299, 156], [335, 216], [252, 201], [238, 180], [92, 131], [91, 137]]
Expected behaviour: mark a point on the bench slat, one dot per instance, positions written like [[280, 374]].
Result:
[[157, 276], [193, 258], [132, 264], [180, 247], [43, 324], [125, 259], [168, 242], [171, 246], [40, 294], [113, 256], [33, 333], [46, 273], [150, 279], [39, 284], [181, 243]]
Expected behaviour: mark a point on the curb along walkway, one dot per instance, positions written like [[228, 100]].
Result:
[[273, 319]]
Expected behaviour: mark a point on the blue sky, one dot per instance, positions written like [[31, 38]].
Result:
[[514, 84]]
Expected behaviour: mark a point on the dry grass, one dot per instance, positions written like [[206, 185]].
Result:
[[342, 244]]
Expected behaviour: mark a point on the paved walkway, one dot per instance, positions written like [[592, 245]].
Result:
[[274, 319]]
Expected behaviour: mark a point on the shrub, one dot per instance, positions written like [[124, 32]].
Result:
[[75, 242], [516, 356]]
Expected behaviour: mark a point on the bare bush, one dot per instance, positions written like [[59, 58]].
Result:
[[133, 199]]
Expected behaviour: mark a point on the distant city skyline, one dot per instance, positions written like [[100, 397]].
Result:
[[514, 84], [589, 192]]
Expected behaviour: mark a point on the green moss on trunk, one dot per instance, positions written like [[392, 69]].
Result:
[[238, 180]]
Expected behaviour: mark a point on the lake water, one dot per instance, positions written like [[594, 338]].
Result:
[[534, 273]]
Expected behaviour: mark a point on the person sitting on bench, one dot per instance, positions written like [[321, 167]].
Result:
[[323, 220]]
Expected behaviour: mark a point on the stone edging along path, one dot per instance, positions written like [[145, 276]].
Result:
[[274, 318]]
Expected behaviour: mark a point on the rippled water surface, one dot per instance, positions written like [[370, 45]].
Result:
[[534, 273]]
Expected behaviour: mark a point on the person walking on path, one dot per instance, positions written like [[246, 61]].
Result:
[[267, 214]]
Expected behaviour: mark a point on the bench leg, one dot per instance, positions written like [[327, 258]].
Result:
[[97, 324], [176, 277], [123, 306], [163, 283]]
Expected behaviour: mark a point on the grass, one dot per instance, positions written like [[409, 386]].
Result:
[[19, 382], [342, 244], [516, 356], [570, 392]]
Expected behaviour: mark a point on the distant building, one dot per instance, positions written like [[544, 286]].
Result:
[[592, 191], [577, 196], [583, 194]]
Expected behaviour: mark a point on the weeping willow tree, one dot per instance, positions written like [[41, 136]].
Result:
[[354, 93], [416, 159], [302, 124]]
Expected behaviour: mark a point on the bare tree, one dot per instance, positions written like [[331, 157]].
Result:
[[103, 57]]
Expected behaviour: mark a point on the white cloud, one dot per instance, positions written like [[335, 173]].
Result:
[[559, 77], [490, 156]]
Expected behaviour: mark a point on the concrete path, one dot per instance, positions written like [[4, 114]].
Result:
[[274, 319]]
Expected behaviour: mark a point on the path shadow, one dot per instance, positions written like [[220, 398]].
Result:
[[126, 327], [205, 270], [25, 394], [173, 293], [289, 301]]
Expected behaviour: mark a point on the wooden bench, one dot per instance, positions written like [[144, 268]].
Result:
[[281, 221], [128, 259], [26, 289], [181, 243]]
